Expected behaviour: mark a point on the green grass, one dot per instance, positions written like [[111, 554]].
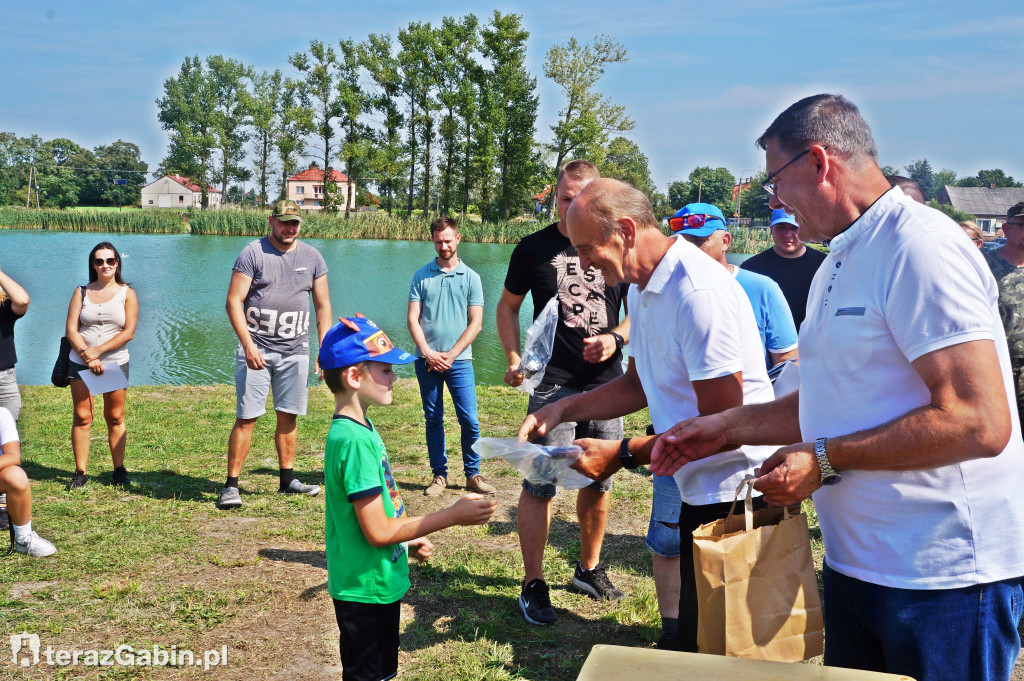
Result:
[[159, 564]]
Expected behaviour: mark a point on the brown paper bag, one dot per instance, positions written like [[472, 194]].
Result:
[[756, 587]]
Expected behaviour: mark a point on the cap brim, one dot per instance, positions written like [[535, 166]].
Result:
[[396, 356], [288, 218]]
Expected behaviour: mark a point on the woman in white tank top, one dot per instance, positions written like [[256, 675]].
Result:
[[101, 320]]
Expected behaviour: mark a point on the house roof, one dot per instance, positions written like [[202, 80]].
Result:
[[737, 188], [184, 182], [984, 201], [314, 174], [543, 194]]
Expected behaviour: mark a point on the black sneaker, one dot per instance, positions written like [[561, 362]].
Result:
[[535, 603], [77, 480], [121, 477], [595, 583]]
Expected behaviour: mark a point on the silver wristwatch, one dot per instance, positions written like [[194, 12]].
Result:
[[829, 475]]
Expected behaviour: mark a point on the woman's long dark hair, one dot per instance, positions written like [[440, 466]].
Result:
[[117, 254]]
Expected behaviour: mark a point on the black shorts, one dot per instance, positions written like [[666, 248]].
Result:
[[368, 640]]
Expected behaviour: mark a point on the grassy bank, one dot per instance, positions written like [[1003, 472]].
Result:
[[232, 222], [159, 564]]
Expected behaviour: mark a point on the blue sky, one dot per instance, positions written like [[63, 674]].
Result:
[[935, 79]]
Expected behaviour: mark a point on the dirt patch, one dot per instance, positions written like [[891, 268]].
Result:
[[20, 590]]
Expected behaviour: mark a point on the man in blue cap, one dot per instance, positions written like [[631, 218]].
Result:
[[789, 263], [703, 225]]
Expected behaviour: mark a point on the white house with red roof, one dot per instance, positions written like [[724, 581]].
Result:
[[307, 189], [175, 191]]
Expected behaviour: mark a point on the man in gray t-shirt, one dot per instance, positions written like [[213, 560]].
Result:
[[268, 305]]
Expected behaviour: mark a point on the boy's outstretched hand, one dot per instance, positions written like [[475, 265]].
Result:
[[421, 549], [474, 509]]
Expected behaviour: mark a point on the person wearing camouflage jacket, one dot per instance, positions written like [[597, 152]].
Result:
[[1007, 265]]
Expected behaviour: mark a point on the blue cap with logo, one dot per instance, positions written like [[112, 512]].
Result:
[[706, 220], [357, 339], [780, 215]]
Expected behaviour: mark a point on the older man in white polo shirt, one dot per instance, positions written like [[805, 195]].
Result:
[[902, 428], [695, 350]]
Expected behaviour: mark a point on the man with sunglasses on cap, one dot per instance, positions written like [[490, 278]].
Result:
[[268, 305], [695, 350], [703, 225], [789, 263]]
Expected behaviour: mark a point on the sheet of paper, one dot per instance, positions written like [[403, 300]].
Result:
[[110, 380]]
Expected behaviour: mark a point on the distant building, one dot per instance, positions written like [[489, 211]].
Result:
[[307, 189], [540, 199], [175, 191], [988, 204]]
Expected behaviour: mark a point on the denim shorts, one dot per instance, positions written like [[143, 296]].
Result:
[[285, 374], [661, 538], [564, 434]]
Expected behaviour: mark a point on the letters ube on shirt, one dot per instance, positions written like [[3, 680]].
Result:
[[284, 325]]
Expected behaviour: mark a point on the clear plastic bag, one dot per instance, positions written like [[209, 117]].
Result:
[[540, 339], [538, 464]]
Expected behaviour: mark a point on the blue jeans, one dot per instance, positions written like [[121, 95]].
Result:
[[930, 635], [462, 387]]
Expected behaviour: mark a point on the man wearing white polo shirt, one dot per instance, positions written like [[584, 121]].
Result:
[[695, 350], [902, 427]]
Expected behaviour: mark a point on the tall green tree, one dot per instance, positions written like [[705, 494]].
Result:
[[124, 159], [387, 158], [414, 57], [920, 171], [510, 104], [289, 139], [188, 111], [265, 111], [678, 194], [59, 183], [624, 161], [711, 185], [454, 42], [940, 180], [231, 115], [754, 199], [354, 103], [319, 93], [587, 118]]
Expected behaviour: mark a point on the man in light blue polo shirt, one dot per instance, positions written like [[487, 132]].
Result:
[[446, 309]]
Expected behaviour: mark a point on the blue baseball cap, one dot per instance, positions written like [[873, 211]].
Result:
[[357, 339], [713, 222], [780, 215]]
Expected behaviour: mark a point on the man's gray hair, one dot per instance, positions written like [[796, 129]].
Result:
[[831, 120], [608, 200]]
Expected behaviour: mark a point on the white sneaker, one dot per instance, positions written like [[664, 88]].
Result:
[[35, 546]]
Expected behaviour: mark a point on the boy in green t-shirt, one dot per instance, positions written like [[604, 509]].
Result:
[[368, 533]]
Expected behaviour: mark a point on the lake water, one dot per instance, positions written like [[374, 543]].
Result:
[[184, 336]]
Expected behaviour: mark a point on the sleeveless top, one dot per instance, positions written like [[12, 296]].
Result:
[[98, 323]]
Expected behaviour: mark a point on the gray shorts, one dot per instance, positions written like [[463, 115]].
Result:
[[564, 433], [10, 396], [285, 374]]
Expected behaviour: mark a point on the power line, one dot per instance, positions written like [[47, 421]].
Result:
[[95, 170]]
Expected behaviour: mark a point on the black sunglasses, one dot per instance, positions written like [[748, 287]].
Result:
[[98, 262]]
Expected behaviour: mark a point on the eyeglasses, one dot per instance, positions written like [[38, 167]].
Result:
[[693, 221], [770, 184], [98, 262]]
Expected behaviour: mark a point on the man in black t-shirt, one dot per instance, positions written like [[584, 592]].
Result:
[[789, 263], [586, 354]]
